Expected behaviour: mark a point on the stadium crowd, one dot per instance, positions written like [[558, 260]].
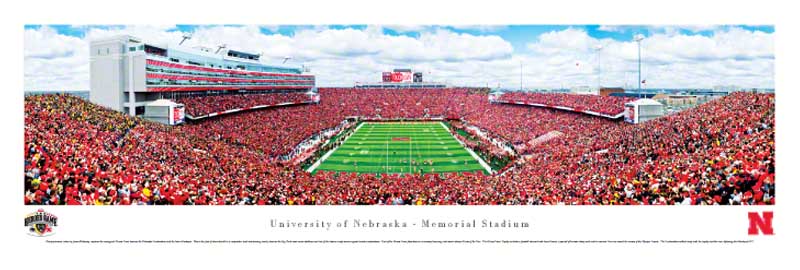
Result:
[[721, 152], [404, 103], [273, 132], [607, 105], [519, 124], [279, 131], [204, 105]]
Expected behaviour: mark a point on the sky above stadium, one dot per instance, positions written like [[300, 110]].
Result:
[[547, 56]]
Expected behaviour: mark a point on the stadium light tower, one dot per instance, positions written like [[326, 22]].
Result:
[[599, 49], [220, 47], [639, 38], [185, 37], [520, 75]]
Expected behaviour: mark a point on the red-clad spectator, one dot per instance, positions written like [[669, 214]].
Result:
[[205, 105], [721, 152], [607, 105]]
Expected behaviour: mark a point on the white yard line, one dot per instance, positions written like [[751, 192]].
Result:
[[324, 157], [480, 160]]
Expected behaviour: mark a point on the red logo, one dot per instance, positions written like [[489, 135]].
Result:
[[397, 77], [760, 223]]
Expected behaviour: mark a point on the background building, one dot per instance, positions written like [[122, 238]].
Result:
[[583, 90], [605, 91], [642, 110], [129, 73]]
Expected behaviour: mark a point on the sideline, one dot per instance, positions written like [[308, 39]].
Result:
[[324, 157], [480, 160]]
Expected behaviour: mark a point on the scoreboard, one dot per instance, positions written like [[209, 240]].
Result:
[[417, 76], [402, 76], [387, 77]]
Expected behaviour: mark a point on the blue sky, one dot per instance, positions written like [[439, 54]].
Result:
[[552, 55], [517, 35]]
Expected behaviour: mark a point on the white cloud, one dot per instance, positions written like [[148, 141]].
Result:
[[480, 28], [340, 57], [694, 28], [45, 43], [700, 27], [670, 59], [55, 62], [151, 33], [611, 28], [271, 27], [663, 29], [444, 45], [570, 39], [405, 28]]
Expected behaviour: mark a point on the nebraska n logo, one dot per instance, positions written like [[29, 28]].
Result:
[[760, 223], [40, 223]]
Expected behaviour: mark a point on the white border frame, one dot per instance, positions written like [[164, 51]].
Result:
[[549, 222]]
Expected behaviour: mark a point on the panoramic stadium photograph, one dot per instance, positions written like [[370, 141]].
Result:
[[399, 115]]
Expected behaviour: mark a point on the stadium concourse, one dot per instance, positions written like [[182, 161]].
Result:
[[721, 152]]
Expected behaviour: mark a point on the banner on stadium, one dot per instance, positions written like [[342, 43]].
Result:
[[177, 114], [403, 77], [630, 113], [387, 77]]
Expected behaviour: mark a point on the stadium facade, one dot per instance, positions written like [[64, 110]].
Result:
[[394, 85], [400, 78], [127, 72]]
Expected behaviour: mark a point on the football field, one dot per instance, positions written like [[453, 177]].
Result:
[[415, 147]]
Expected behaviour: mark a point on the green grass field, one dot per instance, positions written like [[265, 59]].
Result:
[[401, 148]]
